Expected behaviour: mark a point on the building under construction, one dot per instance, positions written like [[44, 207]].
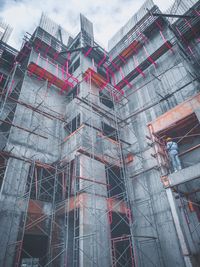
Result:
[[85, 177]]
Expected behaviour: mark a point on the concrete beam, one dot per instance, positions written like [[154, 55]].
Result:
[[118, 206], [184, 175], [176, 114]]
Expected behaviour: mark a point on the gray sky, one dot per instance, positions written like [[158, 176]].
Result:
[[108, 16]]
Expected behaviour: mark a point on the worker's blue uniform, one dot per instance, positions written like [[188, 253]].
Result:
[[172, 149]]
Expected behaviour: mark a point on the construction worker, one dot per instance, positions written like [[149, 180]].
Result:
[[172, 149]]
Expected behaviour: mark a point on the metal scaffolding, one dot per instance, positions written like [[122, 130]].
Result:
[[72, 171]]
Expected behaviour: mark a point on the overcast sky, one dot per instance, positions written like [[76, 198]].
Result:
[[108, 16]]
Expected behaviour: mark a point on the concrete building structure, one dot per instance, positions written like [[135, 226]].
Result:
[[85, 179]]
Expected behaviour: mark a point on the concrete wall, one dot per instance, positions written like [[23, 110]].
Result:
[[13, 206], [156, 242], [46, 149], [148, 198], [94, 243]]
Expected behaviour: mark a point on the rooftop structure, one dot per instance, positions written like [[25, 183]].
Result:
[[5, 31]]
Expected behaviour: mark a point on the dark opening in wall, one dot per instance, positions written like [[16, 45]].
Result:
[[6, 125], [105, 100], [109, 131], [116, 183], [34, 250], [8, 57], [186, 134], [73, 125], [119, 225], [74, 92], [122, 251], [41, 181], [47, 184], [74, 66], [53, 43], [64, 185], [76, 44], [102, 72], [74, 239]]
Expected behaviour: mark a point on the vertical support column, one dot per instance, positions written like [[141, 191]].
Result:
[[94, 242], [12, 208], [180, 234]]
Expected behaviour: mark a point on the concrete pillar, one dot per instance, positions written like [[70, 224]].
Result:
[[179, 231], [12, 208], [94, 228]]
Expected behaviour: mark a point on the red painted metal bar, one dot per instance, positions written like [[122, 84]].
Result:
[[124, 61], [149, 57], [132, 253], [129, 215], [123, 78], [137, 68], [165, 41], [88, 52], [36, 184]]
